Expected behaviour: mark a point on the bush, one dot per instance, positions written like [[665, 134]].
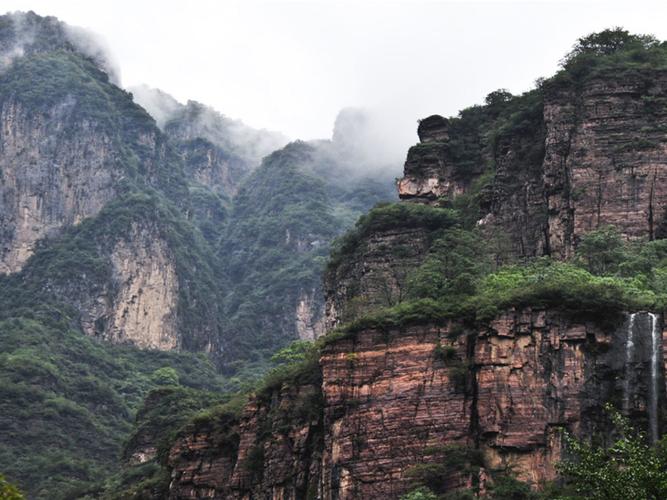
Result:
[[629, 468]]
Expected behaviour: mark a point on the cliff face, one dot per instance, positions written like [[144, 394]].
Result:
[[398, 398], [537, 172], [47, 182], [571, 167], [271, 449], [596, 172]]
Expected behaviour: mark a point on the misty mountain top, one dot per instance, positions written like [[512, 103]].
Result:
[[26, 33]]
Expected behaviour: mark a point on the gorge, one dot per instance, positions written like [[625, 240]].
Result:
[[188, 308]]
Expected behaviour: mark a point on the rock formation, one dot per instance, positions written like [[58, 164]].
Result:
[[394, 398]]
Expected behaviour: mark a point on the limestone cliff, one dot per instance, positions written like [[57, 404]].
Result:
[[47, 183]]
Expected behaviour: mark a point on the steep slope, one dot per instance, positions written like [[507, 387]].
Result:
[[283, 220], [218, 152], [455, 360], [96, 242]]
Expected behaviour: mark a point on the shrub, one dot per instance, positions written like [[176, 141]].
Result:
[[629, 468]]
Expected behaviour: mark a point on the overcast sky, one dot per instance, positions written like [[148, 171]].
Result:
[[290, 66]]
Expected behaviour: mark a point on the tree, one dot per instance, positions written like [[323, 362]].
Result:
[[165, 376], [602, 251], [420, 494], [629, 468], [608, 42]]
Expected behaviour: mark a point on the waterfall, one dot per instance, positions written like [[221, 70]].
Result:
[[629, 352], [655, 353]]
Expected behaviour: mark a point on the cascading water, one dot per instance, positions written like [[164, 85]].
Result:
[[629, 353], [655, 353]]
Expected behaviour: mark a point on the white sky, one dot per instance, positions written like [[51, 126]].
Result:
[[290, 66]]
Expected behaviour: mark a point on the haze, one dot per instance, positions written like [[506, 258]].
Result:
[[291, 67]]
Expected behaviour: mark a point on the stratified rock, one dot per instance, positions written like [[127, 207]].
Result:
[[434, 128]]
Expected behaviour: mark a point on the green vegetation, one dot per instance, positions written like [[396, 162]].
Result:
[[611, 52], [164, 412], [441, 479], [8, 491], [627, 468], [458, 280], [67, 402], [275, 246]]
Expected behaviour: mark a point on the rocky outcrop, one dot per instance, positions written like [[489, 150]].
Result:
[[309, 316], [397, 398], [50, 179], [431, 174], [271, 449], [375, 274], [146, 299], [573, 169]]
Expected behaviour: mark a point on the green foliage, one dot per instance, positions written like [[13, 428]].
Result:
[[165, 376], [506, 487], [457, 280], [608, 42], [435, 476], [444, 353], [629, 468], [610, 53], [297, 364], [559, 284], [454, 264], [602, 251], [8, 491], [67, 402], [420, 493]]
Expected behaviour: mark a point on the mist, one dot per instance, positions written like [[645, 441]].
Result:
[[293, 66], [21, 37]]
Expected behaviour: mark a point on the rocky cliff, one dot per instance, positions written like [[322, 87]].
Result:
[[428, 380], [398, 399], [565, 166]]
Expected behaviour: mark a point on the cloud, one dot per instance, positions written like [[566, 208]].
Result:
[[160, 105], [27, 33], [196, 120], [95, 47], [369, 141]]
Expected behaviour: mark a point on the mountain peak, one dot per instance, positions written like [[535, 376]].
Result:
[[26, 33]]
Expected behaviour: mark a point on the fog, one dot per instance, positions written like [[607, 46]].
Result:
[[25, 40], [292, 66]]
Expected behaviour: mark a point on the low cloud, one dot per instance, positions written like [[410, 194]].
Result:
[[26, 33]]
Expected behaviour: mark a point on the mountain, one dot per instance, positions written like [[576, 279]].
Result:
[[514, 293], [188, 308], [128, 248]]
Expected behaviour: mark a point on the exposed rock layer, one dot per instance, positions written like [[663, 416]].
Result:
[[394, 399], [603, 162]]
